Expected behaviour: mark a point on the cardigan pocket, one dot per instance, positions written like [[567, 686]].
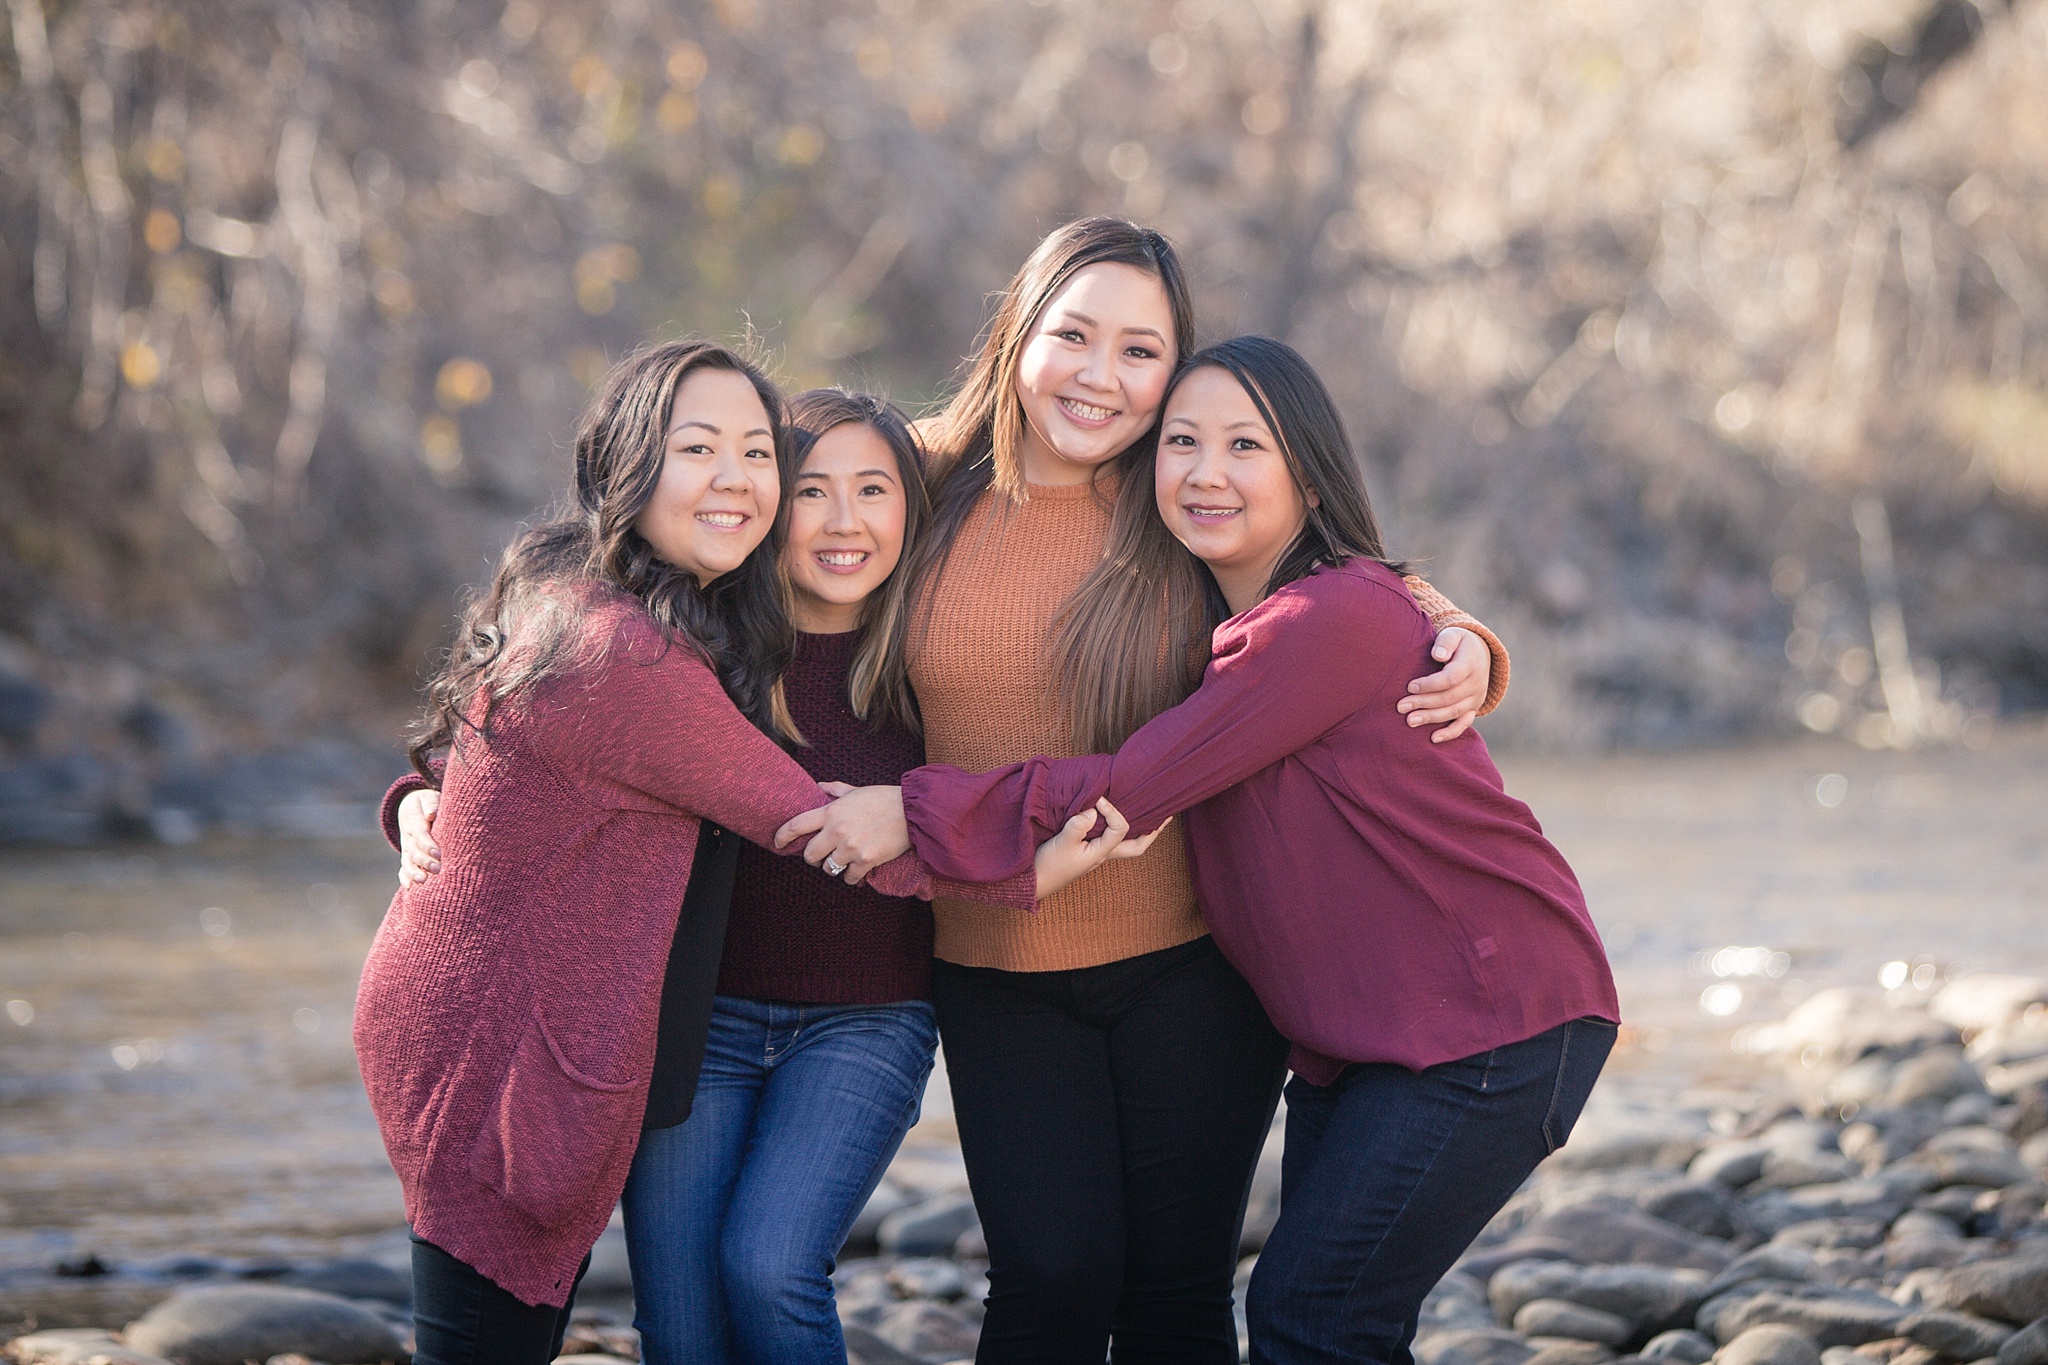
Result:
[[553, 1132]]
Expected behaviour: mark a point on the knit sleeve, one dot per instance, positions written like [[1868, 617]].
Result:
[[387, 809], [648, 727], [1443, 614]]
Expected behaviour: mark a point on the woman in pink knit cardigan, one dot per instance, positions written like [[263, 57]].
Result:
[[605, 694]]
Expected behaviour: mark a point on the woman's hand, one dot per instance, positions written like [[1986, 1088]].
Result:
[[1451, 696], [854, 835], [419, 857], [1071, 854]]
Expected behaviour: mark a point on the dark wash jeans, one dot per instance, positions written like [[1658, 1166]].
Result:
[[1388, 1176], [1111, 1118], [461, 1317]]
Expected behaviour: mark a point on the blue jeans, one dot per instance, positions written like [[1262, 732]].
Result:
[[1387, 1177], [735, 1217]]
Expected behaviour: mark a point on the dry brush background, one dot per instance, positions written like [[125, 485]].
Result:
[[1701, 348]]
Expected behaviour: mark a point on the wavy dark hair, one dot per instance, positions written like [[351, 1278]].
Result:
[[538, 596], [878, 684], [1115, 686]]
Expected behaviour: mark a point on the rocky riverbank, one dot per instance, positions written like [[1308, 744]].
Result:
[[1878, 1199]]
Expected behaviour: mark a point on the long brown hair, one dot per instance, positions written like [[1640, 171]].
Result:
[[1116, 673], [877, 684], [736, 624], [976, 440]]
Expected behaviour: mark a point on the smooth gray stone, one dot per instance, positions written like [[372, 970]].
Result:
[[1707, 1208], [230, 1324], [926, 1277], [1872, 1198], [1563, 1318], [1483, 1265], [1568, 1351], [1681, 1345], [76, 1346], [930, 1228], [1733, 1163], [887, 1199], [928, 1329], [1458, 1300], [863, 1347], [1992, 1170], [1607, 1236], [1648, 1298], [1771, 1261], [1790, 1170], [1837, 1318], [1939, 1074], [1472, 1346], [1958, 1336], [353, 1279], [2012, 1289], [1770, 1344], [2028, 1346]]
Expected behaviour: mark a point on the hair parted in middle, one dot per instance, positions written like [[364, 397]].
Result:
[[1121, 663], [523, 629], [878, 683]]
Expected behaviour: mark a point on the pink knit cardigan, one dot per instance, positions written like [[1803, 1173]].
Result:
[[506, 1020]]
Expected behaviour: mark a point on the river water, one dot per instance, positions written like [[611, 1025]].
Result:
[[176, 1076]]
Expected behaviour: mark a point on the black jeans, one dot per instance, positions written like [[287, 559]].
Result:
[[1388, 1176], [1111, 1118], [460, 1317]]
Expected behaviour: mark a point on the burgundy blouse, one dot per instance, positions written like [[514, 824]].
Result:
[[1385, 896]]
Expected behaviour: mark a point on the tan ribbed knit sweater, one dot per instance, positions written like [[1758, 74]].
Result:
[[986, 686]]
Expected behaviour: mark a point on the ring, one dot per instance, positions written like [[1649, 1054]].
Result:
[[833, 867]]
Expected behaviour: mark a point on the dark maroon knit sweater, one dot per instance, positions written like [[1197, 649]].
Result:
[[796, 934]]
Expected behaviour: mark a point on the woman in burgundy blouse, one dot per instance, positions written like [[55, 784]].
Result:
[[1404, 921]]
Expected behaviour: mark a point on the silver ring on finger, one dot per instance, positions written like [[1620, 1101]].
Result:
[[833, 867]]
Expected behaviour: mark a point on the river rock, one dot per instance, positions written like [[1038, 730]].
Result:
[[1568, 1351], [2034, 1153], [1829, 1317], [1706, 1207], [1790, 1170], [230, 1324], [1866, 1197], [930, 1228], [2028, 1346], [1985, 1000], [1937, 1075], [887, 1199], [926, 1277], [1924, 1224], [353, 1279], [1733, 1162], [1681, 1345], [2012, 1289], [1863, 1083], [1956, 1336], [863, 1347], [1771, 1261], [1563, 1318], [1458, 1300], [1604, 1140], [929, 1330], [1648, 1298], [1606, 1236], [1769, 1343], [1993, 1170], [1472, 1346], [76, 1346], [1481, 1265]]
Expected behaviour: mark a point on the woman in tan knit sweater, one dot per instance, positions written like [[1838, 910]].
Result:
[[1113, 1077]]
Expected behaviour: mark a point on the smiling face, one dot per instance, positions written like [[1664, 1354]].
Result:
[[715, 501], [1092, 371], [1224, 487], [846, 519]]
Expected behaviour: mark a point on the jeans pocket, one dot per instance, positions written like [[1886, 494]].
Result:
[[553, 1132], [1583, 1045]]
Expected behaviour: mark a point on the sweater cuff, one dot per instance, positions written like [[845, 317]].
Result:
[[1019, 892], [387, 809], [1443, 614]]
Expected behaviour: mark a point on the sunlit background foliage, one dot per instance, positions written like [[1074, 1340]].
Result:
[[1673, 335]]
